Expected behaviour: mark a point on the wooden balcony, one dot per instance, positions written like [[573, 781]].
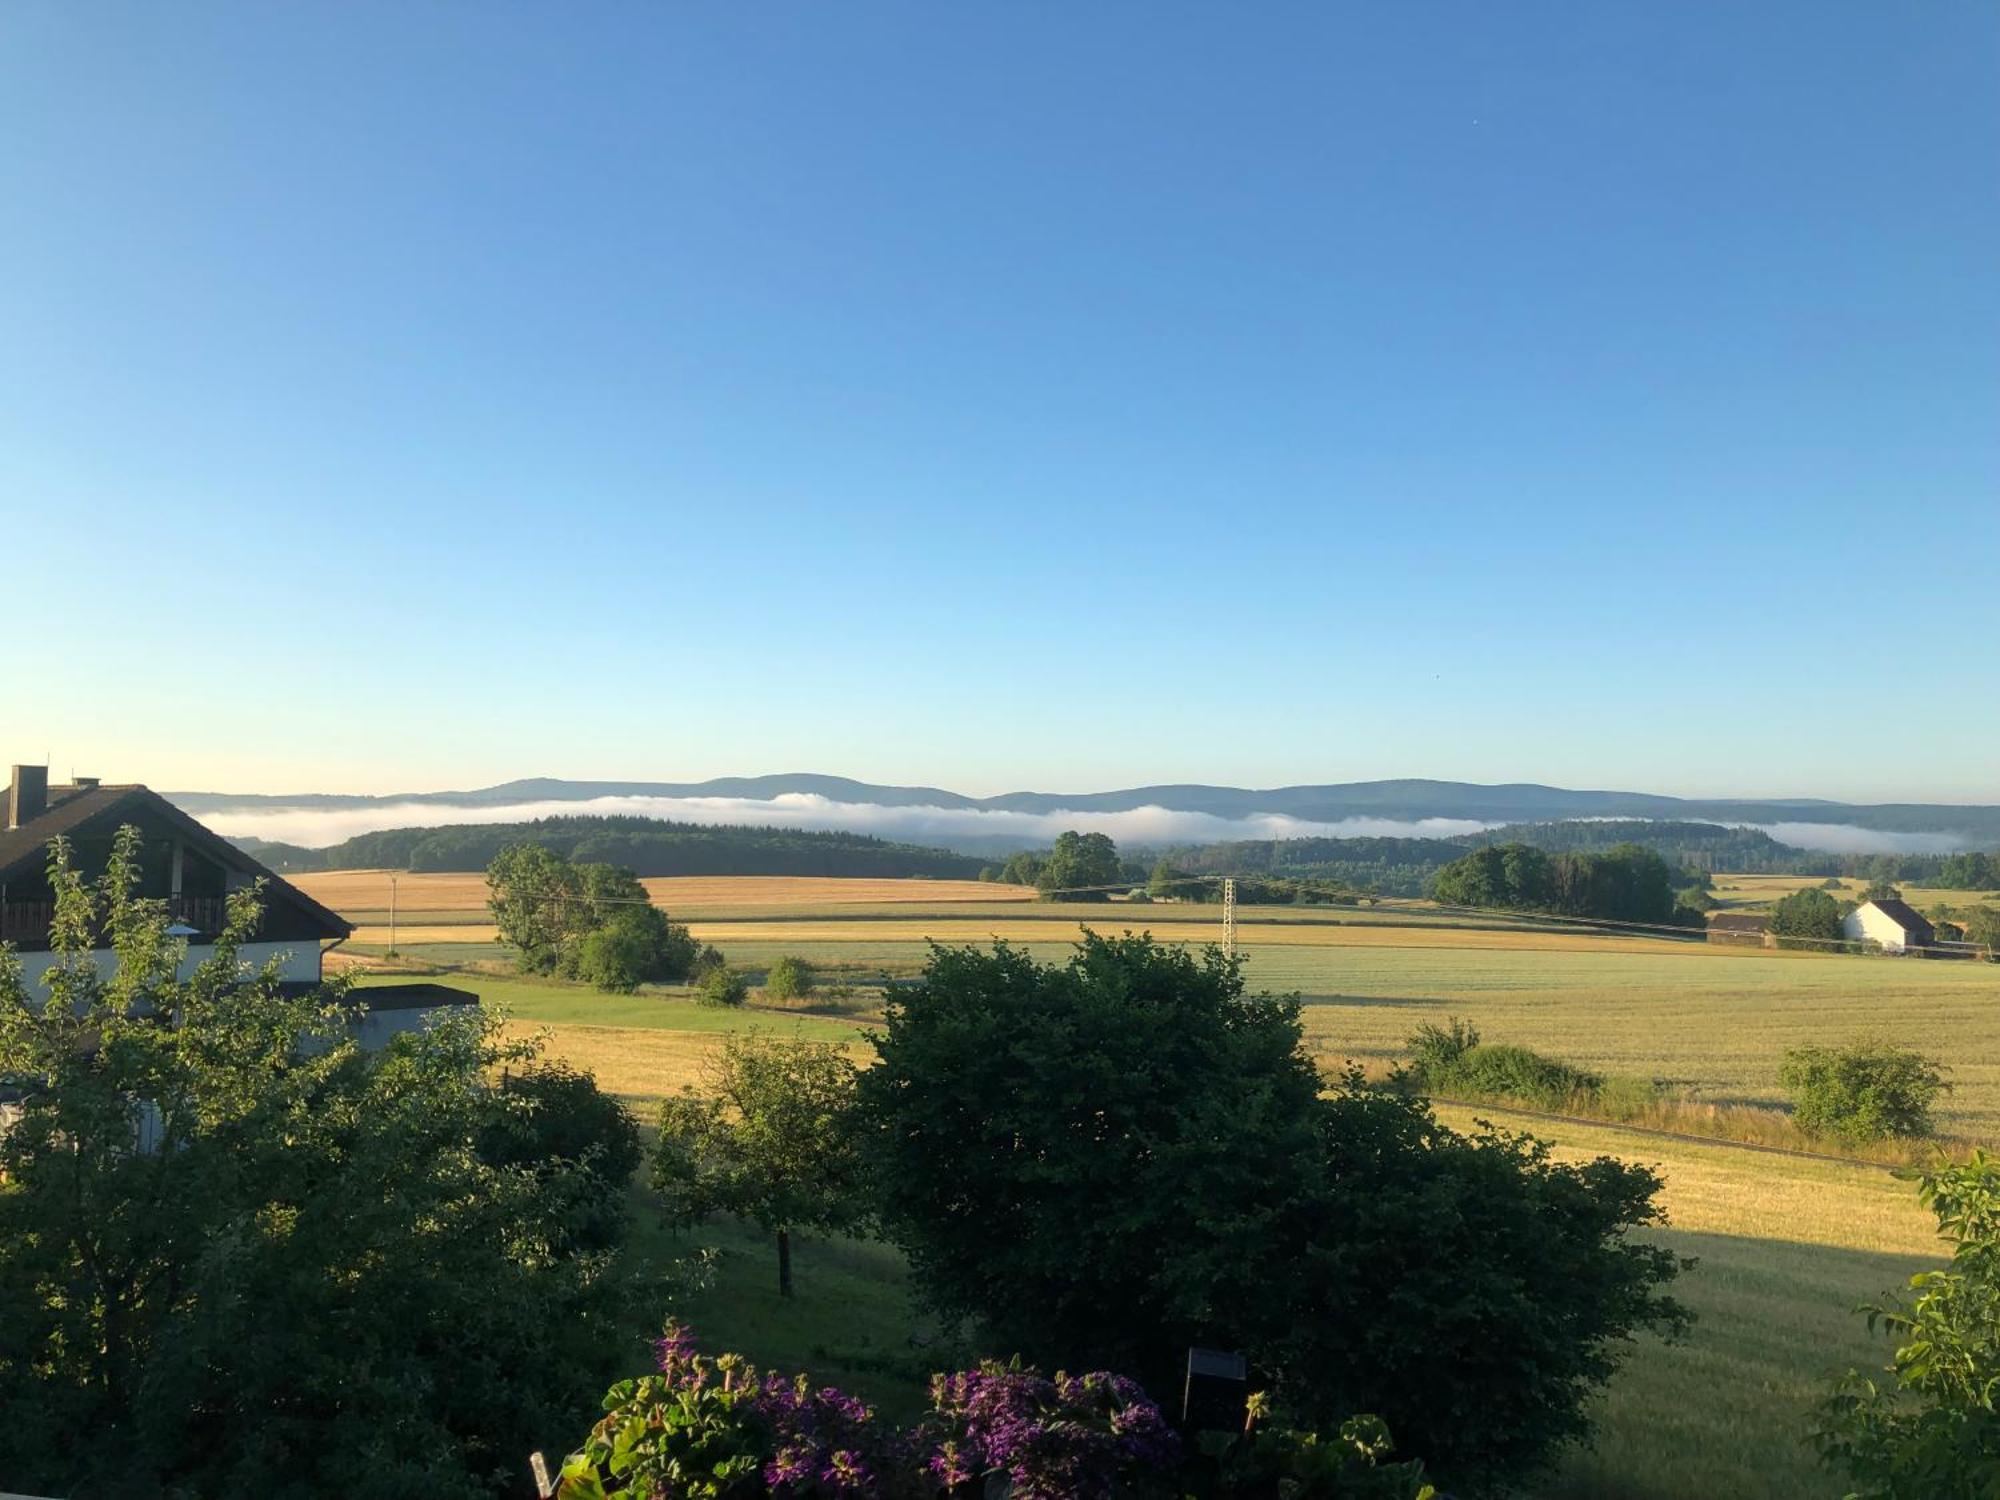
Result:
[[26, 924]]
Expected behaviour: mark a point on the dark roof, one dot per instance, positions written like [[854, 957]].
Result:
[[415, 996], [1738, 921], [27, 848], [1899, 911]]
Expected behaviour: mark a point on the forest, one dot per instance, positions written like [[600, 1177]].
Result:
[[644, 846]]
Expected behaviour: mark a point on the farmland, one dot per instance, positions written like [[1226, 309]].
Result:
[[1786, 1246]]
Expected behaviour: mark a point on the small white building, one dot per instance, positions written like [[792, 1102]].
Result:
[[1888, 924]]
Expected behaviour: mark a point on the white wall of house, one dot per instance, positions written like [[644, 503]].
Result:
[[1868, 923], [298, 961]]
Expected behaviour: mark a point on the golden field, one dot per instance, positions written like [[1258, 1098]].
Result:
[[367, 891]]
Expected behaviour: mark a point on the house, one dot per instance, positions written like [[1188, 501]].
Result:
[[1889, 924], [194, 871], [1742, 929]]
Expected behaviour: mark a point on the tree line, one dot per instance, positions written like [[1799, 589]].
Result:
[[1626, 883], [646, 846]]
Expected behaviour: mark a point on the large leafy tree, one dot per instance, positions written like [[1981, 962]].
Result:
[[1114, 1158], [769, 1138], [1081, 866], [586, 921], [240, 1256], [1806, 918]]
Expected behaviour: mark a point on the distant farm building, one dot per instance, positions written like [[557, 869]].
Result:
[[1740, 929], [1888, 924]]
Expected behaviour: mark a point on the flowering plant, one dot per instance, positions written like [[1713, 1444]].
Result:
[[714, 1429], [1076, 1437]]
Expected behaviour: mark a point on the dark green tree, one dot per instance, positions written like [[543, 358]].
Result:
[[1081, 867], [1806, 919], [768, 1137], [1112, 1159], [634, 945], [1022, 868]]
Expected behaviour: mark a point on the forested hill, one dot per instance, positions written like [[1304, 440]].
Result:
[[1402, 867], [645, 846]]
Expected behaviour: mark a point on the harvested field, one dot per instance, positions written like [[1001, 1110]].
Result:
[[353, 892]]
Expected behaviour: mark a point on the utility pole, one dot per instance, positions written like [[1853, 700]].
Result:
[[392, 915], [1229, 918]]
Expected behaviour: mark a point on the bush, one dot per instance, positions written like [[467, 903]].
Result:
[[1865, 1092], [1933, 1429], [1451, 1060], [788, 979], [1170, 1171], [636, 946], [559, 1118], [717, 1427], [722, 986]]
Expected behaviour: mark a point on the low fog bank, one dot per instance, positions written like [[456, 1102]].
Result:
[[979, 829], [973, 830], [1845, 838]]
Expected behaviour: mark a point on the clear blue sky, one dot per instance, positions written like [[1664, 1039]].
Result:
[[993, 395]]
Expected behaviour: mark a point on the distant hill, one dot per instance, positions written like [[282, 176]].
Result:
[[644, 845], [1511, 803]]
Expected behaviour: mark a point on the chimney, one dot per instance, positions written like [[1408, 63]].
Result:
[[28, 797]]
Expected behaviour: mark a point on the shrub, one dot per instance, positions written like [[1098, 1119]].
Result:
[[788, 979], [722, 986], [555, 1116], [1436, 1050], [1865, 1092], [1934, 1428], [715, 1428], [1076, 1437], [1451, 1060], [1352, 1466], [1505, 1072]]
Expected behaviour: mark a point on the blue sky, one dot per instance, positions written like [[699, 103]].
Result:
[[400, 397]]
